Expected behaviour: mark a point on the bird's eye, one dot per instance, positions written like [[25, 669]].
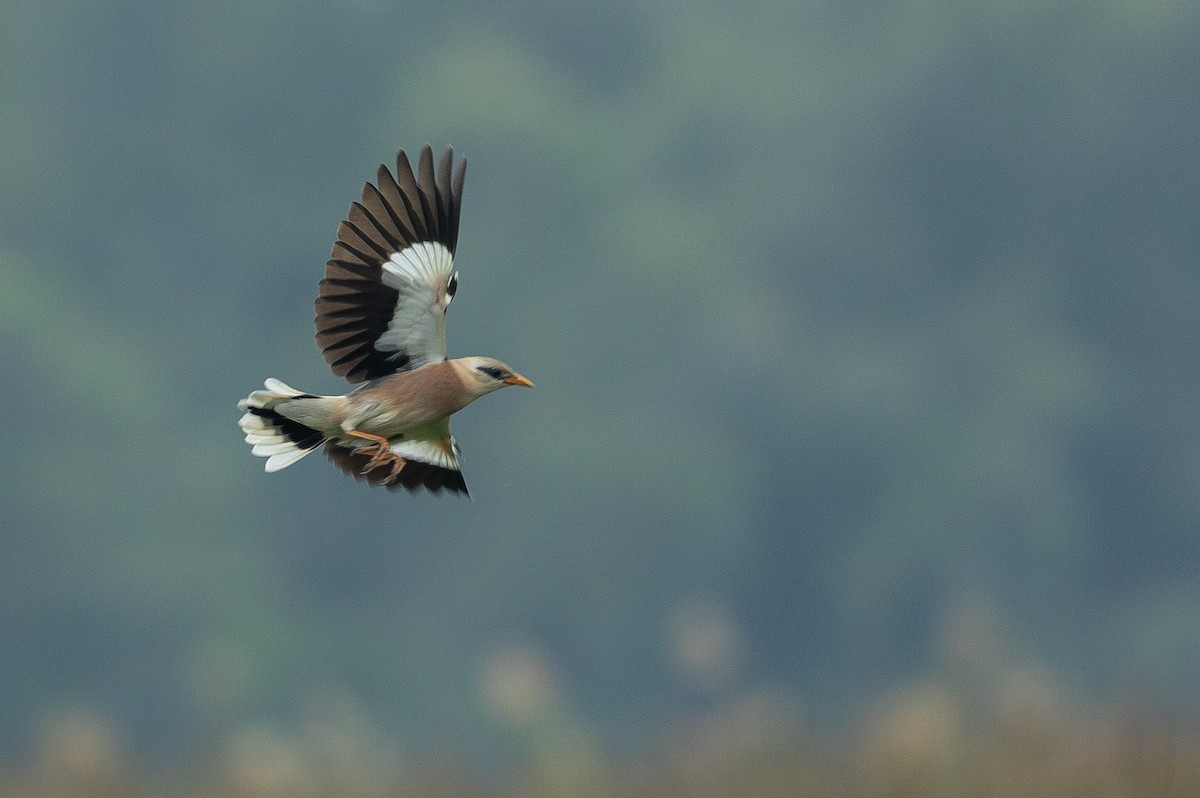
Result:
[[493, 372]]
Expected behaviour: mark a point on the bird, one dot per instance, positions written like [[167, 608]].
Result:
[[380, 319]]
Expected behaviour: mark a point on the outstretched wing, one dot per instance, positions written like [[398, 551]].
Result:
[[382, 304], [418, 463]]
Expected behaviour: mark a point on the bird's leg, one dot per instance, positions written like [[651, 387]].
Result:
[[379, 449]]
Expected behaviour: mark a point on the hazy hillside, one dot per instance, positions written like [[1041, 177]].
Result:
[[865, 341]]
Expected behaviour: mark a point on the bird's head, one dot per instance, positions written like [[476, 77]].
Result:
[[486, 374]]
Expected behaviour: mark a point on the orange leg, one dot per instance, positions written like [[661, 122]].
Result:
[[379, 440]]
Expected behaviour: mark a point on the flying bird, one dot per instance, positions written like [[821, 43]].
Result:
[[381, 322]]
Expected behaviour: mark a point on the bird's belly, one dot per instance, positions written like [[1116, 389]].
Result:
[[393, 422], [385, 423]]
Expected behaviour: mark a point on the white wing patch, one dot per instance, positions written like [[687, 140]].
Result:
[[426, 451], [427, 262], [420, 273]]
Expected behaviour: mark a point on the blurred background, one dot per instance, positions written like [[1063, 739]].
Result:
[[864, 451]]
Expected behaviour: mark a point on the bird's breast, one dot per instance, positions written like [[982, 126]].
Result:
[[401, 402]]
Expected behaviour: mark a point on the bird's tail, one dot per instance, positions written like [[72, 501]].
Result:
[[273, 435]]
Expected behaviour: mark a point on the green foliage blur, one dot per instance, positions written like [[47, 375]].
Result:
[[847, 320]]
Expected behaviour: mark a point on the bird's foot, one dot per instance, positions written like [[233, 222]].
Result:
[[379, 449], [398, 464], [382, 455]]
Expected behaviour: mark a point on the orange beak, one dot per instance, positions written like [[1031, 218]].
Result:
[[517, 379]]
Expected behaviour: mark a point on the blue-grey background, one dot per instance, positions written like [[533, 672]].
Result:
[[865, 338]]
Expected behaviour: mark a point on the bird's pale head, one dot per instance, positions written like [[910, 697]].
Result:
[[486, 374]]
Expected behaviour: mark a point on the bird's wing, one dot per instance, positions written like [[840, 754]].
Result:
[[382, 304], [431, 463]]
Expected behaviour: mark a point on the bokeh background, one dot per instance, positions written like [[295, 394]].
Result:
[[864, 451]]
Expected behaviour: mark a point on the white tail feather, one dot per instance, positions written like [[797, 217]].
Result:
[[268, 434], [282, 460]]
